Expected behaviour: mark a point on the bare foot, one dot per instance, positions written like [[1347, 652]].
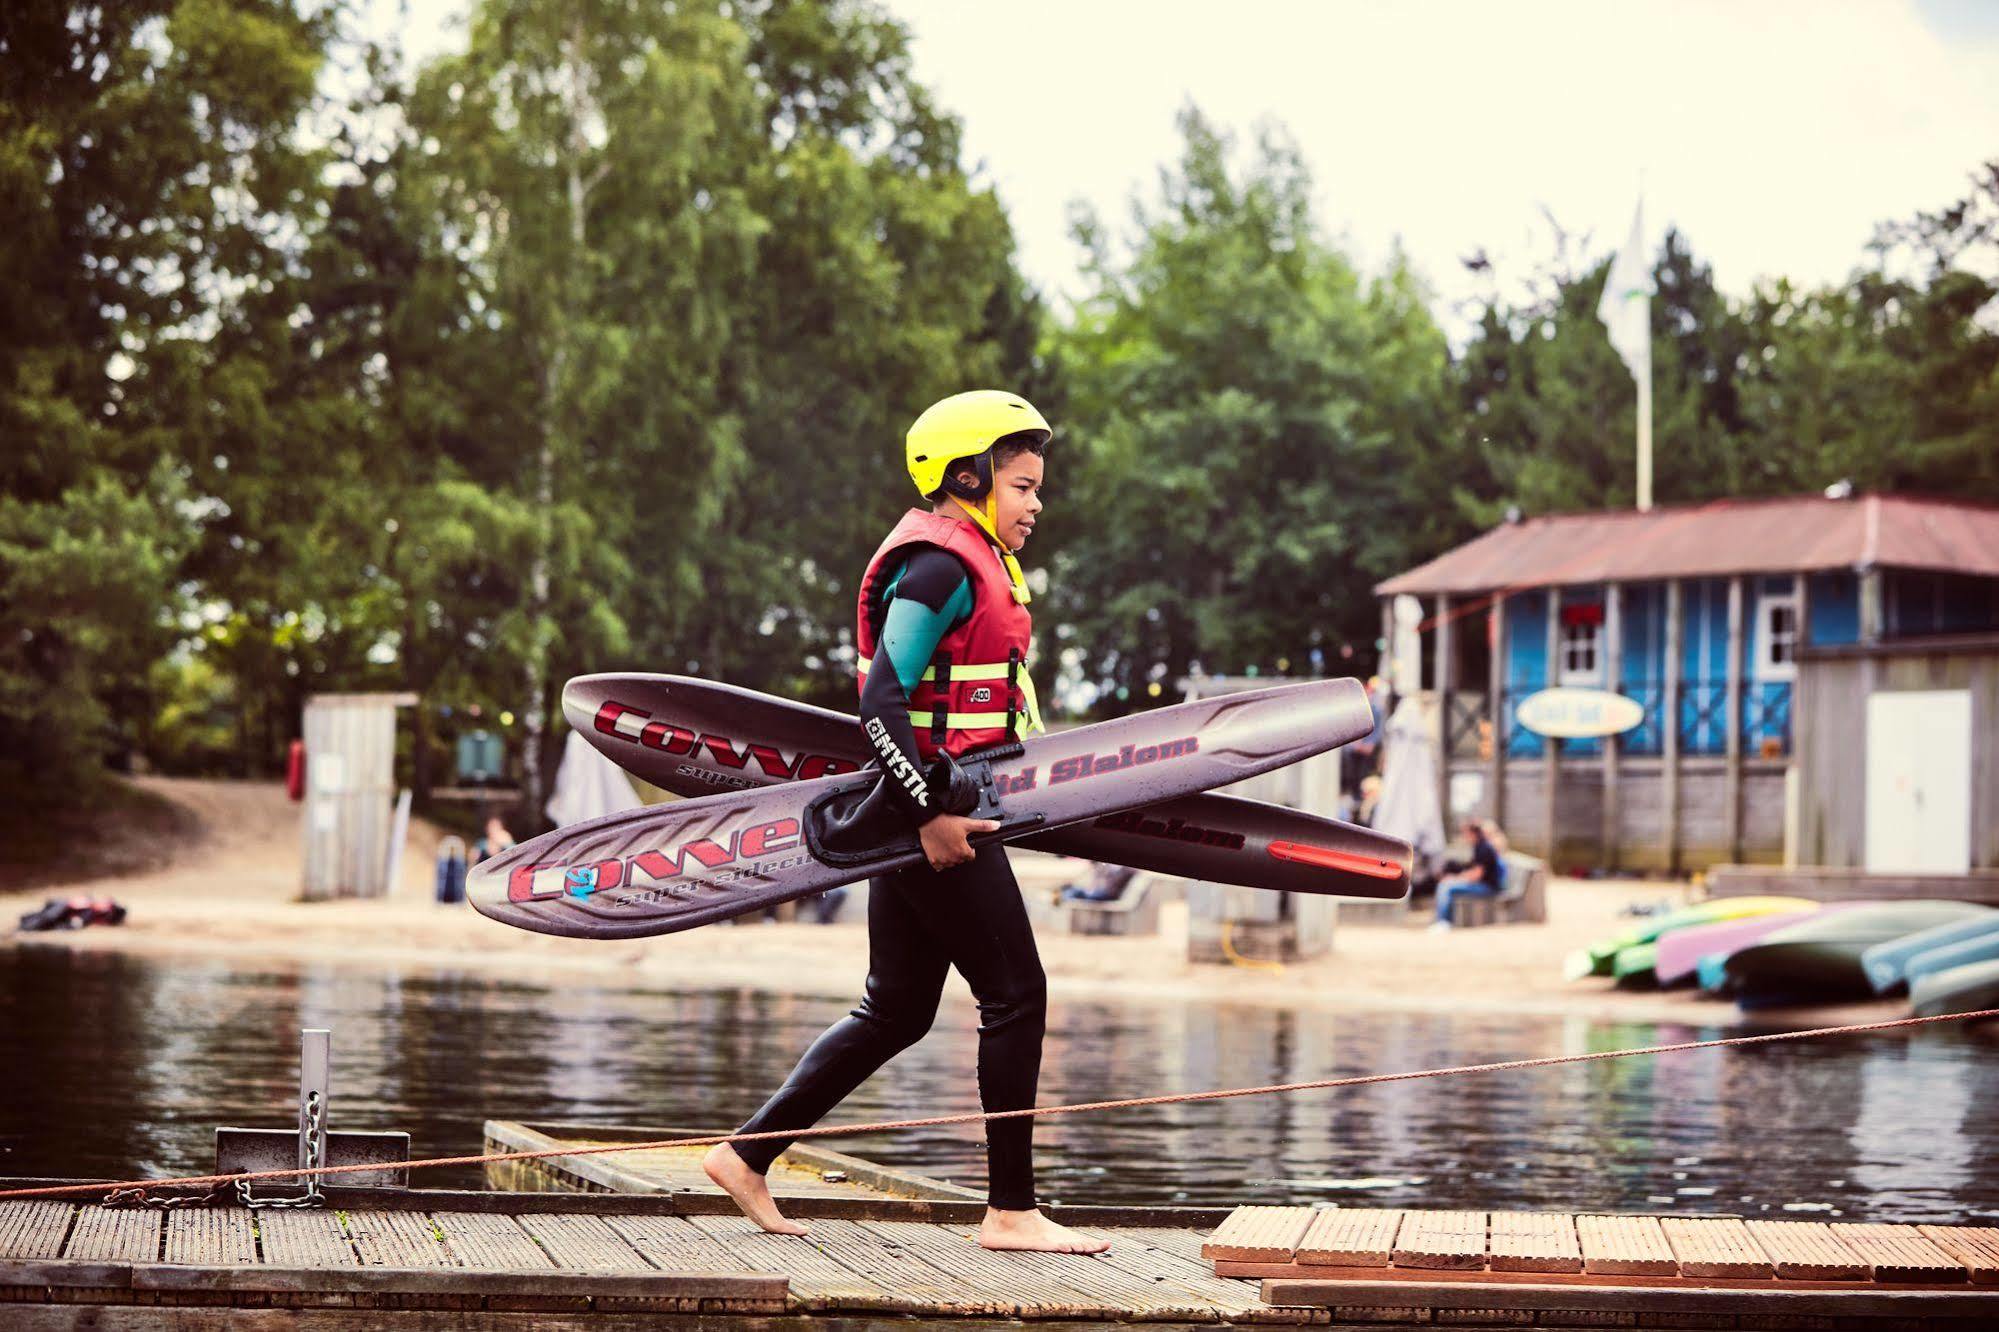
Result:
[[750, 1190], [1032, 1231]]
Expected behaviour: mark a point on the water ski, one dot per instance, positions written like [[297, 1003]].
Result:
[[673, 867], [694, 737]]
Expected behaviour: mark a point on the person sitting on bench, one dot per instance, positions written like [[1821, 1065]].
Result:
[[1481, 876], [1106, 884]]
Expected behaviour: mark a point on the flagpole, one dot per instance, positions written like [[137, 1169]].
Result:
[[1645, 437]]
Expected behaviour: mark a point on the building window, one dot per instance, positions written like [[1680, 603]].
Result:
[[1582, 647], [1777, 638]]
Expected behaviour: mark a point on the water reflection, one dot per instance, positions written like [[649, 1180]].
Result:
[[117, 1065]]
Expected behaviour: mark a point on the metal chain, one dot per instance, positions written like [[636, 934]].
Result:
[[315, 1155]]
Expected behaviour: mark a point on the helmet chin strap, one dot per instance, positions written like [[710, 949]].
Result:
[[986, 515]]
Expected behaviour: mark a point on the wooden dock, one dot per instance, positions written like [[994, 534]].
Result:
[[445, 1260], [806, 1170]]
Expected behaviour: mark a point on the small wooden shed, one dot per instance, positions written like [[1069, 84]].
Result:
[[350, 793]]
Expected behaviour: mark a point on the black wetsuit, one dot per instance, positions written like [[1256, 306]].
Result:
[[921, 923]]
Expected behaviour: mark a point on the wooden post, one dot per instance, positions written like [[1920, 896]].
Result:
[[1495, 711], [1733, 744], [1443, 673], [1873, 606], [1669, 726], [1613, 681], [1551, 748]]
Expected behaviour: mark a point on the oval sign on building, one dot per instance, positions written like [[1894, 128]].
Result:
[[1578, 714]]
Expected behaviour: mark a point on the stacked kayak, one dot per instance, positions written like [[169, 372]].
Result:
[[1887, 964], [1980, 947], [1966, 989], [1678, 955], [1819, 958], [1600, 959]]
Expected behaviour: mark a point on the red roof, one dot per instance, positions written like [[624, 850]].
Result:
[[1796, 534]]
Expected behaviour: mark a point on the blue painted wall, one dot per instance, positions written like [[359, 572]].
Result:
[[1916, 604]]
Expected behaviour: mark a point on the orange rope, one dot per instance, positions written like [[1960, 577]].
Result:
[[933, 1121]]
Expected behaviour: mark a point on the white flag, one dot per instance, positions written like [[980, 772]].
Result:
[[1626, 307]]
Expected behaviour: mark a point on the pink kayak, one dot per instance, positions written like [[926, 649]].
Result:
[[1681, 951]]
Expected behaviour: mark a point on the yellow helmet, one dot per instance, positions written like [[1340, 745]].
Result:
[[967, 425]]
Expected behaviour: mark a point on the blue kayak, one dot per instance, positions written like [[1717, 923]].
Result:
[[1967, 989], [1978, 948], [1886, 963]]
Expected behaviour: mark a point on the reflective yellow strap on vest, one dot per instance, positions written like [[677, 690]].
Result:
[[980, 721], [963, 721], [967, 671]]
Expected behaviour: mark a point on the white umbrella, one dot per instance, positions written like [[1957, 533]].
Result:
[[1408, 805], [588, 785]]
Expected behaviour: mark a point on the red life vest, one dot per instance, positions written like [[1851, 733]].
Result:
[[976, 691]]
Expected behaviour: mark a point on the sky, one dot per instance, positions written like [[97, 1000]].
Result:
[[1773, 135]]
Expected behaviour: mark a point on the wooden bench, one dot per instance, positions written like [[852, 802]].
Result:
[[1523, 899], [1134, 911]]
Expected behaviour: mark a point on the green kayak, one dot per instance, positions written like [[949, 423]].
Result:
[[1600, 959], [1820, 956], [1633, 967]]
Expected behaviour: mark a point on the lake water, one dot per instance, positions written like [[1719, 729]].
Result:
[[117, 1066]]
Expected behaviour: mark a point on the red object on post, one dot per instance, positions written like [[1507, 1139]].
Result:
[[295, 770]]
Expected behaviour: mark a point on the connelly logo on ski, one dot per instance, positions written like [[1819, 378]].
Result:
[[646, 872], [1090, 765], [638, 726]]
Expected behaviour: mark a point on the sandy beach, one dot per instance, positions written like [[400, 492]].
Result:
[[232, 891]]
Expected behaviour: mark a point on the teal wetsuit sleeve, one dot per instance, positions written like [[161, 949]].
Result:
[[911, 632]]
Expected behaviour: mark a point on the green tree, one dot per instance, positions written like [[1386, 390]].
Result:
[[1252, 434], [149, 163]]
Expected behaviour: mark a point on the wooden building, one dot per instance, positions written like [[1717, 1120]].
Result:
[[1819, 681]]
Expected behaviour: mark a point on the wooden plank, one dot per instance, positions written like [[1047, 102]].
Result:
[[1899, 1253], [580, 1243], [1625, 1245], [1732, 820], [304, 1238], [818, 1281], [1132, 1251], [1551, 748], [34, 1227], [1669, 723], [1534, 1242], [1613, 680], [914, 1283], [1444, 686], [1180, 1241], [397, 1239], [1008, 1279], [1806, 1251], [676, 1244], [115, 1234], [1258, 1234], [211, 1236], [1350, 1237], [1976, 1247], [1116, 1288], [1714, 1247], [1452, 1240], [492, 1243], [1655, 1306]]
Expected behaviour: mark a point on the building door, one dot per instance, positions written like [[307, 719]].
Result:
[[1919, 782]]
